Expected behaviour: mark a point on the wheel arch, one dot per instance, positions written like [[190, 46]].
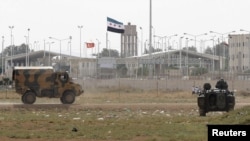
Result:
[[68, 97], [68, 90]]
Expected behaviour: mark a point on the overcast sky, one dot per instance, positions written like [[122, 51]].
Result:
[[60, 18]]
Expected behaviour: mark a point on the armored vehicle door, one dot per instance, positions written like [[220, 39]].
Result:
[[61, 78], [221, 100], [46, 84]]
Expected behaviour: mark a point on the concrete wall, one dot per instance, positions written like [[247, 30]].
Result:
[[171, 84]]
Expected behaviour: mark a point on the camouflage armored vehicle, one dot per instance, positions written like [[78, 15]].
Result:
[[216, 99], [32, 82]]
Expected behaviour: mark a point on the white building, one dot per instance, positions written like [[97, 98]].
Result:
[[129, 41], [239, 53]]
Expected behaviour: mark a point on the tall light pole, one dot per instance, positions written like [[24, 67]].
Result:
[[141, 50], [150, 38], [11, 44], [213, 56], [195, 36], [160, 38], [153, 34], [98, 44], [160, 45], [186, 62], [60, 42], [97, 66], [70, 69], [169, 37], [145, 46], [187, 56], [141, 40], [49, 52], [35, 45], [109, 46], [27, 50], [222, 40], [180, 44], [26, 46], [80, 28], [202, 45], [2, 52]]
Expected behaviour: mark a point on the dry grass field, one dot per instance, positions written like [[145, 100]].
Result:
[[113, 114]]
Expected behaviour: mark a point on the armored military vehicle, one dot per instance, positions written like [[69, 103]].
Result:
[[215, 99], [32, 82]]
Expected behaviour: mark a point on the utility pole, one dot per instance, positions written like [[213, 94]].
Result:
[[150, 39], [80, 27], [11, 44], [27, 48], [2, 52]]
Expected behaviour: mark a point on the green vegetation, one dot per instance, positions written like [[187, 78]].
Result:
[[114, 117], [115, 124]]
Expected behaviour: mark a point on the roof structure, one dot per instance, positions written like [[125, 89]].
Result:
[[183, 51], [35, 55]]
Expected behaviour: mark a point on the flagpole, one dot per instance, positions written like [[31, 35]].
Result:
[[106, 40], [150, 38], [80, 28], [107, 44], [92, 51]]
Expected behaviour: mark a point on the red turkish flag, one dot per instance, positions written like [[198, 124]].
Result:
[[90, 45]]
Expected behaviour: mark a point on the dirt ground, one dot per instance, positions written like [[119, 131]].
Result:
[[170, 107]]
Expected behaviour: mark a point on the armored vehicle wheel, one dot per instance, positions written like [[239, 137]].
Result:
[[230, 109], [29, 98], [202, 112], [68, 98]]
